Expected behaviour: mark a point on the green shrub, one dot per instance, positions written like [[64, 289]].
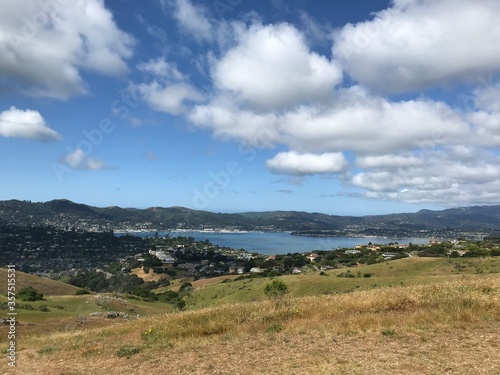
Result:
[[346, 274], [29, 294], [167, 296], [127, 351], [81, 292], [276, 291], [388, 332], [181, 304]]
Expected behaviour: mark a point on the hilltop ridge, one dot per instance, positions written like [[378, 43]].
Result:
[[62, 212]]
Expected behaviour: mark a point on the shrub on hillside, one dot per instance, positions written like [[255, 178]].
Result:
[[276, 291], [29, 294], [81, 292]]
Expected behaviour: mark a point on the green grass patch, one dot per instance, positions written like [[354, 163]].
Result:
[[128, 351], [388, 332], [48, 350]]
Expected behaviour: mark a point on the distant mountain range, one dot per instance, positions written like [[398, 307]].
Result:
[[64, 213]]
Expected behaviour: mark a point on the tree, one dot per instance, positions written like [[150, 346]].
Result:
[[275, 291], [151, 261], [30, 294], [181, 304], [185, 288]]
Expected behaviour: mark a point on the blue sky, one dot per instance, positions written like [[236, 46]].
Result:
[[356, 107]]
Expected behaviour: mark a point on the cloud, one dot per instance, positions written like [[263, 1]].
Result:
[[419, 44], [294, 163], [353, 120], [86, 37], [272, 67], [368, 124], [229, 122], [161, 68], [167, 89], [487, 97], [193, 20], [388, 161], [26, 124], [398, 146], [168, 98], [267, 87], [456, 175], [77, 159]]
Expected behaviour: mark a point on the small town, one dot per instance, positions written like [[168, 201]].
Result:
[[58, 253]]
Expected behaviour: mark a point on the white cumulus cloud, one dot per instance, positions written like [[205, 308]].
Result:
[[272, 67], [168, 98], [167, 89], [82, 35], [417, 44], [26, 124], [294, 163], [456, 175], [388, 161], [266, 86]]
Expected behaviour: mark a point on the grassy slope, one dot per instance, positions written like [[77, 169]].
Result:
[[65, 308], [449, 324], [449, 327], [412, 271], [46, 286]]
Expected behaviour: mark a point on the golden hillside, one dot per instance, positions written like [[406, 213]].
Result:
[[445, 328], [46, 286]]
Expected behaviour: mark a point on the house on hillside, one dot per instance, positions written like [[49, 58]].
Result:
[[166, 258], [256, 270]]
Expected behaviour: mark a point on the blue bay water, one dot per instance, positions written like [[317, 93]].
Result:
[[281, 242]]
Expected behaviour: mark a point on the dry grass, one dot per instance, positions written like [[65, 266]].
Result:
[[410, 271], [211, 281], [445, 328], [46, 286], [151, 276]]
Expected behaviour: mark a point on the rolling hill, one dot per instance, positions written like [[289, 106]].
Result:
[[435, 327], [44, 285], [64, 213]]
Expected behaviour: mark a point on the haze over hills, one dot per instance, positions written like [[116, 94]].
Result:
[[65, 213]]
